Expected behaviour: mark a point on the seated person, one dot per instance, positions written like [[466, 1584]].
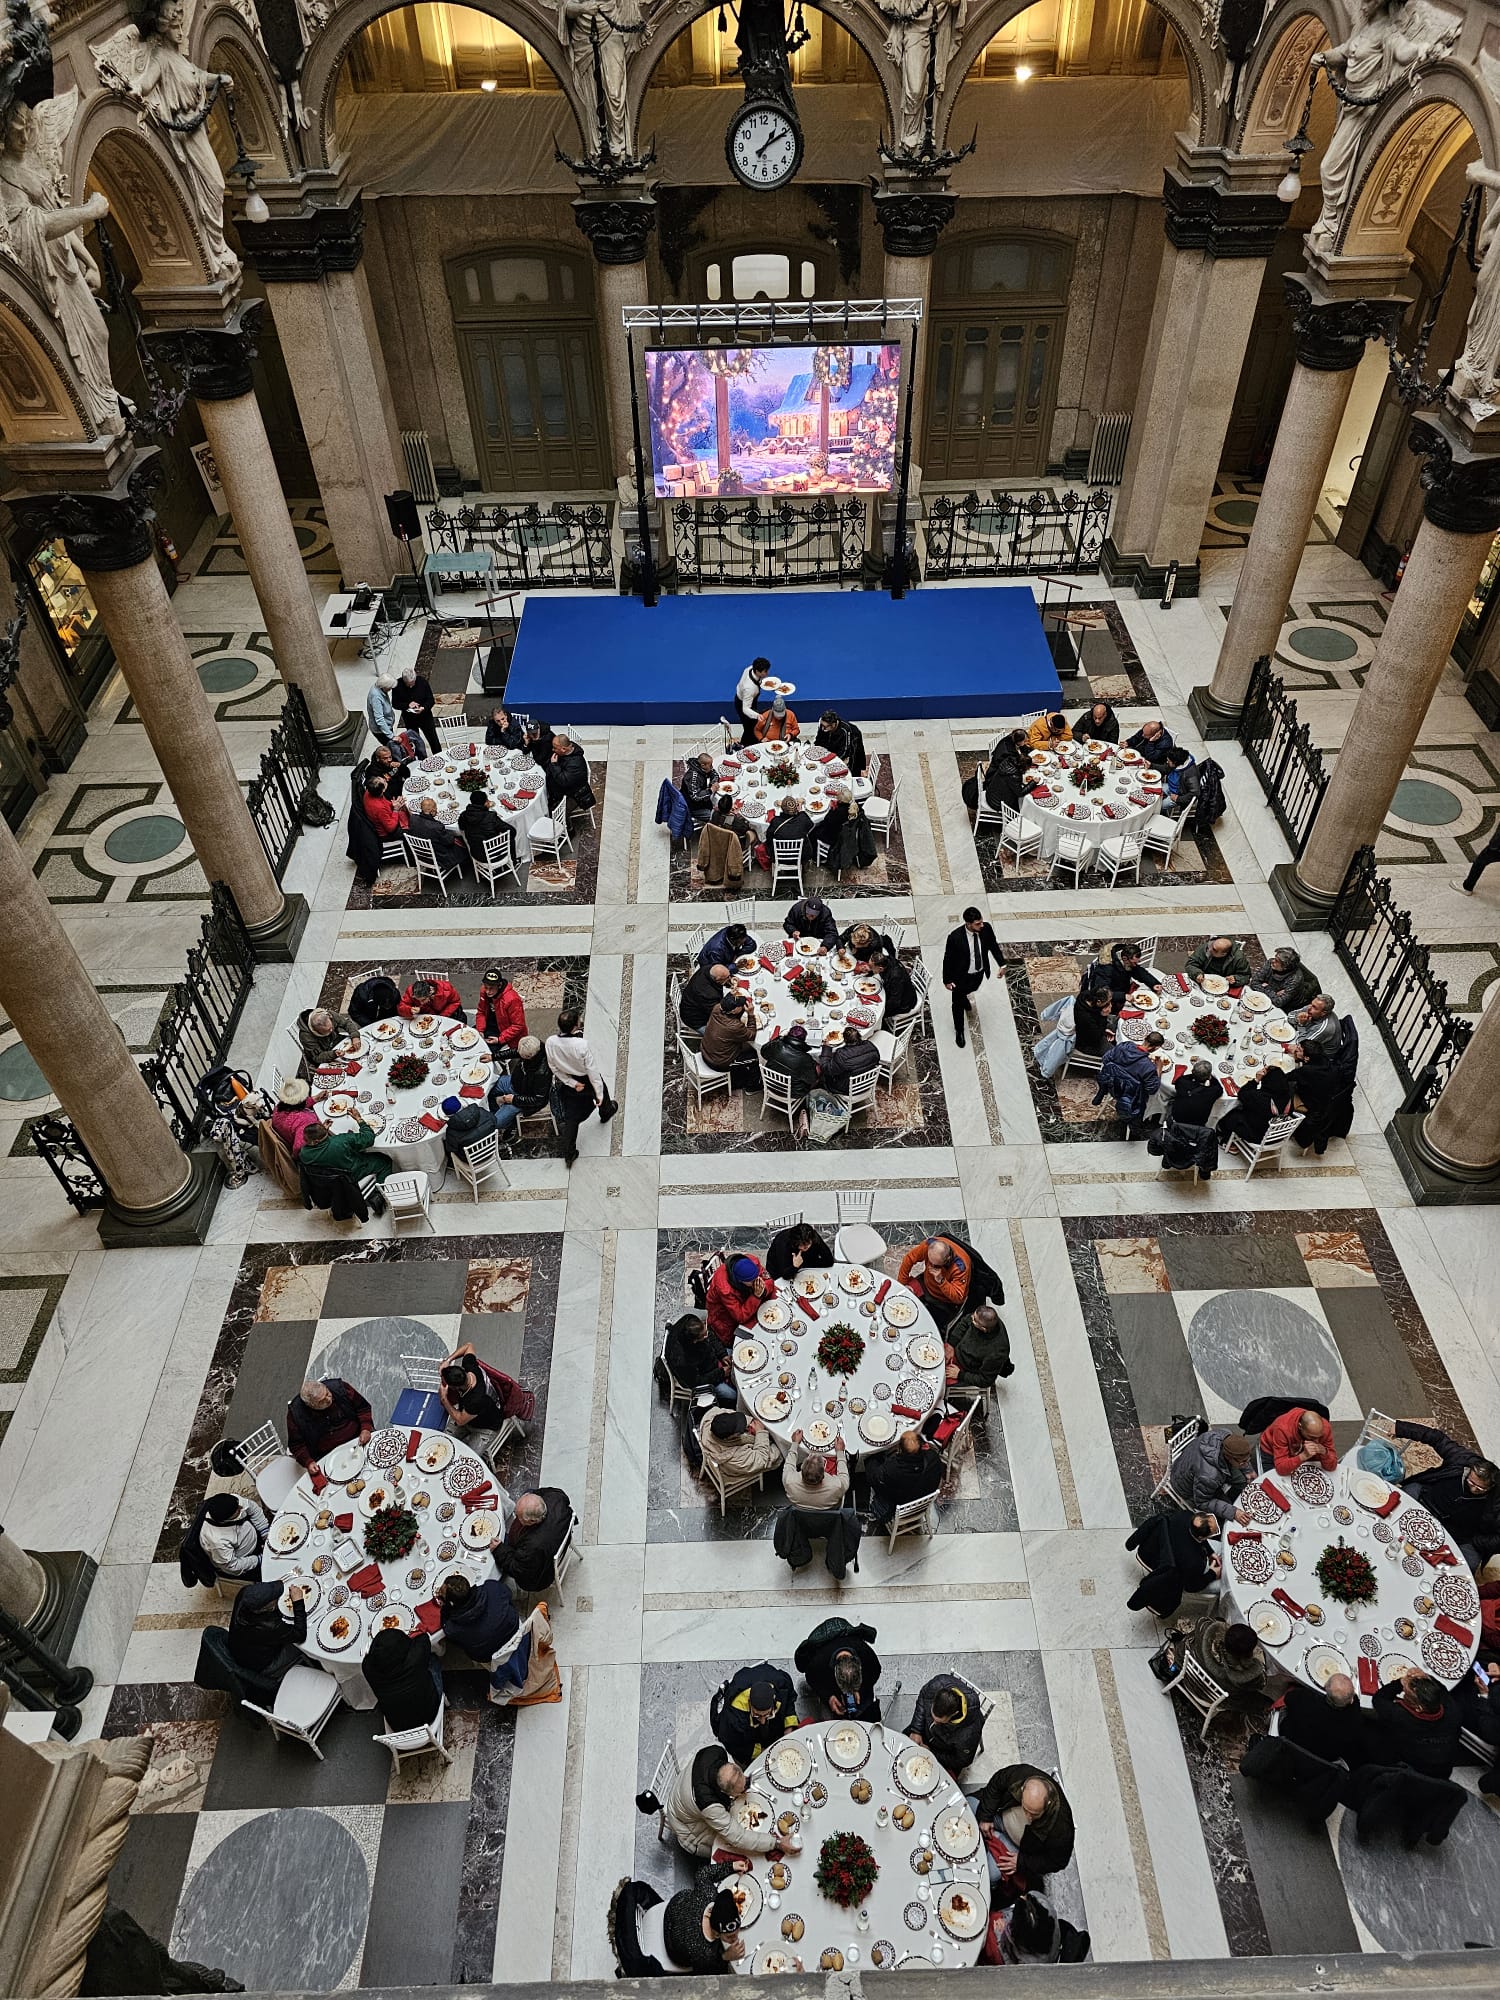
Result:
[[1115, 971], [807, 1480], [702, 994], [844, 739], [261, 1640], [1228, 1653], [752, 1710], [474, 1397], [527, 1558], [977, 1347], [1461, 1489], [900, 988], [736, 1446], [1319, 1029], [1477, 1699], [862, 939], [790, 1055], [293, 1114], [388, 817], [528, 1079], [385, 764], [735, 1292], [789, 822], [913, 1471], [346, 1152], [1130, 1073], [810, 917], [472, 1120], [477, 1618], [1210, 1472], [1268, 1095], [728, 1040], [1330, 1725], [841, 1668], [431, 996], [1178, 1553], [699, 785], [1033, 1935], [479, 822], [796, 1248], [448, 850], [1048, 731], [949, 1719], [1221, 955], [1286, 980], [1180, 769], [1009, 775], [233, 1534], [1195, 1095], [1296, 1438], [500, 733], [536, 739], [1030, 1812], [941, 1271], [567, 771], [694, 1359], [728, 946], [500, 1015], [324, 1414], [1415, 1722], [1153, 742], [321, 1030], [845, 1060], [1099, 724], [404, 1675], [699, 1811], [777, 724]]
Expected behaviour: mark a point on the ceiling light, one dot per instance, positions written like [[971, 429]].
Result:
[[1289, 187], [488, 83], [255, 208], [1023, 72]]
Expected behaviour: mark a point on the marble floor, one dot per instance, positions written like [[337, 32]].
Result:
[[1129, 1298]]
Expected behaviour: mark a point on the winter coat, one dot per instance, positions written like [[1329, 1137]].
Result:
[[672, 811], [1233, 966], [1290, 990], [799, 920], [798, 1528], [721, 855], [1204, 1479], [1178, 1146], [1047, 1844], [956, 1743], [485, 1621], [700, 1815], [1130, 1077], [729, 1712], [501, 1016], [375, 999]]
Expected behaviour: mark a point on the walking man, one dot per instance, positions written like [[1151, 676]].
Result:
[[966, 964]]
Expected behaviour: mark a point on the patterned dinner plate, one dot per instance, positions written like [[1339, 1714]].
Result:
[[915, 1393], [387, 1447], [1455, 1594], [1443, 1656], [463, 1476], [1417, 1526], [288, 1533]]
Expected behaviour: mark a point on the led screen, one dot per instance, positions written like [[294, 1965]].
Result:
[[728, 422]]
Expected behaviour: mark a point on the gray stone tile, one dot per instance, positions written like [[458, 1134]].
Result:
[[1374, 1353], [146, 1881], [414, 1907], [1296, 1877], [1156, 1356], [420, 1288], [273, 1368], [252, 1771], [1209, 1263]]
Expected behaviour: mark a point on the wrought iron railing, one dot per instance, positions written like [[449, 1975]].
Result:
[[1391, 970], [733, 543], [562, 546], [279, 797], [65, 1153], [1014, 534], [1282, 754]]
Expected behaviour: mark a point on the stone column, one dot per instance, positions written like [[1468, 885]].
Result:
[[1330, 336], [1217, 245], [315, 284], [911, 219], [109, 536], [23, 1581], [618, 229], [214, 362], [1453, 1153], [1460, 517]]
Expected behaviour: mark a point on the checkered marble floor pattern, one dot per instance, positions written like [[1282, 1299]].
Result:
[[1129, 1297]]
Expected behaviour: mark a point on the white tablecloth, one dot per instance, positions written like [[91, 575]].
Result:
[[1253, 1031], [398, 1111], [1404, 1581], [506, 770], [477, 1564], [743, 772], [1124, 773], [770, 994], [887, 1374], [900, 1915]]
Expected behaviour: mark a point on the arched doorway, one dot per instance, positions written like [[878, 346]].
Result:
[[523, 316], [994, 342]]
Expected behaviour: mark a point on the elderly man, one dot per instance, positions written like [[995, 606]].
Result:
[[1221, 955], [1176, 1549], [1153, 742], [1462, 1490], [702, 994], [448, 850], [736, 1446], [752, 1710], [913, 1471], [1415, 1721], [941, 1271], [431, 996], [1286, 980], [325, 1413], [567, 771], [848, 1058], [806, 1477], [810, 917], [233, 1534], [726, 946], [728, 1041], [321, 1029], [699, 1808], [414, 701], [841, 1667], [500, 733], [1329, 1725], [788, 822], [1319, 1029], [350, 1153], [949, 1719], [978, 1350], [1296, 1438], [1210, 1471], [379, 713], [777, 724], [699, 785], [528, 1555], [1032, 1816]]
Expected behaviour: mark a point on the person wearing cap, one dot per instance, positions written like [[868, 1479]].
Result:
[[700, 1927], [735, 1292], [500, 1015], [293, 1114], [431, 996], [1210, 1471], [479, 822], [320, 1030], [752, 1710], [736, 1446], [567, 770], [527, 1083], [777, 724], [810, 917]]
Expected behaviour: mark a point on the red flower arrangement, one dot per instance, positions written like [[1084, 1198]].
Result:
[[1346, 1575], [390, 1533], [1087, 777], [1212, 1030], [840, 1349], [808, 985], [471, 780], [847, 1870], [783, 774], [408, 1072]]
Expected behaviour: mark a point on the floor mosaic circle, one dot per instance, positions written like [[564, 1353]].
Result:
[[255, 1868], [1239, 1341], [150, 838], [1237, 513], [223, 676], [20, 1079], [1425, 803], [374, 1355], [1323, 642]]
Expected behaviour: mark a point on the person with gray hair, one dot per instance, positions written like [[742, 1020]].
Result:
[[379, 713], [527, 1556], [323, 1414], [1194, 1095], [320, 1030], [1318, 1026], [1285, 980], [842, 1668]]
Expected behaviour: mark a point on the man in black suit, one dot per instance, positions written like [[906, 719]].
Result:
[[966, 964]]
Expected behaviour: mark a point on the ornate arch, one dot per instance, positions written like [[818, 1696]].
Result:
[[858, 19], [1274, 88], [1410, 144], [222, 40], [41, 404], [146, 199], [325, 58]]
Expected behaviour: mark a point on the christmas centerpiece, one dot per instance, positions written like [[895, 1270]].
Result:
[[408, 1072], [1088, 776], [1346, 1575], [807, 985], [1212, 1030], [847, 1870], [471, 780], [840, 1349], [783, 774], [389, 1533]]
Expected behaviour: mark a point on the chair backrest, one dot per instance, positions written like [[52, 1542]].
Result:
[[1367, 1429], [667, 1772], [422, 1373], [777, 1089], [484, 1153], [431, 972], [497, 849], [1200, 1687], [740, 913], [785, 1222], [697, 941], [960, 1437], [920, 977], [1279, 1131], [413, 1742], [853, 1205], [1148, 953], [910, 1512], [260, 1447], [1131, 846], [1179, 1440], [404, 1195], [459, 729], [862, 1089], [787, 858], [901, 1025]]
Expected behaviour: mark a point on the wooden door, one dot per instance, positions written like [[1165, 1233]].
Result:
[[991, 393], [536, 406]]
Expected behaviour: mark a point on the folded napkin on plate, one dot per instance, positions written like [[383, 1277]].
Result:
[[471, 1090], [1244, 1534], [730, 764], [353, 1068], [768, 965], [328, 1073], [432, 1124], [317, 1479], [1132, 1013], [1440, 1558], [1288, 1603], [507, 805], [1454, 1630], [904, 1410], [413, 1446], [1369, 1676], [343, 1522], [885, 1286], [807, 1308], [1389, 1505], [365, 1582], [525, 796], [429, 1616], [1274, 1492]]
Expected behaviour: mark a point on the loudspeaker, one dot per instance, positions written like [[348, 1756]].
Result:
[[401, 512]]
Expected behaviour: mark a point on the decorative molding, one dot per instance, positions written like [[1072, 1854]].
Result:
[[213, 362], [618, 231], [1202, 216], [301, 249], [1462, 486], [910, 223], [1329, 335], [103, 531]]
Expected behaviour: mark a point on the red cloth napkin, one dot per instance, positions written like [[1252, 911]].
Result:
[[775, 1031], [1369, 1676], [365, 1582], [475, 1494], [1454, 1630], [1269, 1487], [885, 1286], [860, 1020], [731, 763], [1132, 1013], [768, 965], [1440, 1558], [343, 1522], [413, 1446], [319, 1479], [808, 1310], [432, 1124], [1180, 1071], [825, 756], [526, 795], [1231, 1088], [1288, 1603], [904, 1410], [429, 1615], [353, 1068], [1244, 1534], [1391, 1503], [472, 1090]]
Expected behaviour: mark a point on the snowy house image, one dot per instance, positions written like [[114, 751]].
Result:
[[796, 421]]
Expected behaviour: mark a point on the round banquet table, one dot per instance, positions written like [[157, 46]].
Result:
[[1260, 1035], [456, 1057], [297, 1523], [907, 1362], [848, 996], [508, 771], [1405, 1580], [743, 773], [905, 1919], [1132, 791]]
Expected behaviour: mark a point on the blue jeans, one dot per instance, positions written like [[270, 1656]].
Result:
[[506, 1115]]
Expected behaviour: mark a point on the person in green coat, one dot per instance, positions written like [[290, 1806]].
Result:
[[1221, 955], [345, 1152]]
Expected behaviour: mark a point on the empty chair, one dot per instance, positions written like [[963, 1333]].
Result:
[[786, 862], [456, 733], [742, 912], [882, 813], [1121, 855], [1018, 836], [550, 836], [270, 1465], [1198, 1688], [1161, 837], [1072, 851], [856, 1242], [305, 1700], [420, 1406], [894, 1050], [912, 1517], [663, 1778], [407, 1196], [420, 1742]]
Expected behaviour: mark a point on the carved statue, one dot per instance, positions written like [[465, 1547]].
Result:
[[922, 40], [41, 233], [1394, 40], [145, 63], [1476, 373], [597, 34]]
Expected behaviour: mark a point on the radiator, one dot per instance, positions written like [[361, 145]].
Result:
[[419, 473], [1107, 451]]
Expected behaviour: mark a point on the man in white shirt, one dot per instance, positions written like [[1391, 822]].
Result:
[[808, 1482], [746, 694], [232, 1535], [580, 1082]]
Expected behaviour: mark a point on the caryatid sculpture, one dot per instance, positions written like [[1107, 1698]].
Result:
[[922, 39], [1476, 373], [597, 35]]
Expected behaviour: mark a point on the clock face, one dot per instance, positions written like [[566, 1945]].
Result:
[[765, 145]]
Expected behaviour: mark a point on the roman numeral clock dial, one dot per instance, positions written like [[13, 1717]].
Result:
[[764, 145]]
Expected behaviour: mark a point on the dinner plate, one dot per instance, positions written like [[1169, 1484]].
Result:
[[807, 1284], [1270, 1624], [341, 1104], [900, 1309], [1455, 1594], [344, 1461], [1368, 1490], [1214, 982], [1258, 1003], [1251, 1562], [1420, 1528], [962, 1911], [955, 1833], [915, 1393], [481, 1530], [1258, 1504], [383, 1031], [1281, 1031], [751, 1355], [475, 1072], [387, 1447], [288, 1533], [789, 1764], [379, 1493], [875, 1427], [311, 1585], [464, 1038], [807, 947], [773, 1315], [924, 1351], [773, 1405], [752, 1810], [329, 1635], [435, 1453], [820, 1431], [1392, 1666], [771, 1959], [856, 1280], [1322, 1662], [917, 1771], [846, 1745], [393, 1617], [1311, 1485], [747, 1892], [463, 1476], [1443, 1656]]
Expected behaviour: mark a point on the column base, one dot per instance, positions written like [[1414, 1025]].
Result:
[[276, 943], [338, 745], [1435, 1182], [54, 1624], [1304, 909], [170, 1224], [1217, 721], [1140, 574]]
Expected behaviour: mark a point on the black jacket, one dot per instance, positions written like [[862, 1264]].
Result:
[[364, 843], [956, 1744], [813, 1659], [448, 850], [567, 775], [1310, 1720], [530, 1080], [1047, 1844], [1195, 1098], [416, 693], [398, 1668], [1427, 1743], [839, 1065], [261, 1640], [798, 1528], [374, 999], [732, 1725], [692, 1354], [700, 996], [846, 741], [1007, 775], [1468, 1517], [1178, 1561], [903, 1476], [818, 1257], [1249, 1117], [1107, 731], [958, 955], [900, 990], [478, 824], [699, 788], [793, 1060], [508, 738], [1155, 753], [484, 1622], [526, 1558], [797, 920], [788, 826]]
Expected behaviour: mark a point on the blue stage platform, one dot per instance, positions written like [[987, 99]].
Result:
[[934, 652]]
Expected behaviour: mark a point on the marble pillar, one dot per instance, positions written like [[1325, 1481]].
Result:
[[1452, 1155], [618, 230], [1329, 338], [1217, 245], [911, 221], [214, 362], [23, 1581], [319, 297], [1460, 517]]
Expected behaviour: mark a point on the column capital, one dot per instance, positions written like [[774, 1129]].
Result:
[[213, 362], [300, 249], [1202, 215], [1462, 484], [103, 531], [618, 229], [912, 218], [1329, 334]]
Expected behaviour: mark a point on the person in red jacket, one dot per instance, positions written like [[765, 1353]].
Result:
[[1300, 1437], [387, 816], [734, 1294], [431, 996], [500, 1016]]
